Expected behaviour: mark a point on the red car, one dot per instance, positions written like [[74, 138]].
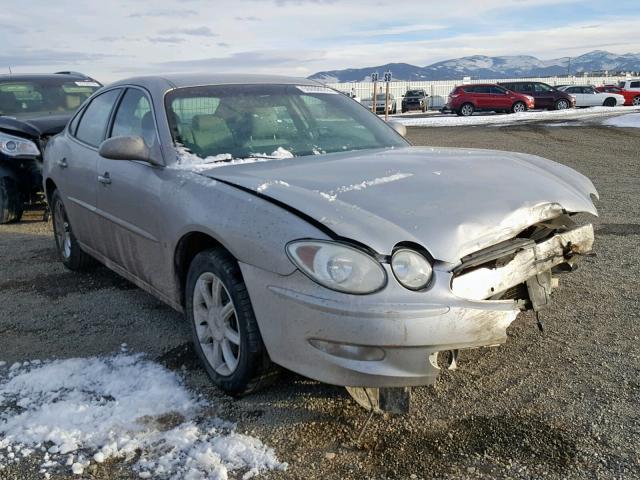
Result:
[[466, 99], [630, 97]]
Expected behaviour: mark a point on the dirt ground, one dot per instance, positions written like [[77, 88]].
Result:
[[563, 404]]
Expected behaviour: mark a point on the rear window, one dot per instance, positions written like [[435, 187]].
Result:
[[44, 96]]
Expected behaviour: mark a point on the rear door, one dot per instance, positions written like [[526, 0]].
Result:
[[482, 97], [545, 95], [76, 173], [129, 197]]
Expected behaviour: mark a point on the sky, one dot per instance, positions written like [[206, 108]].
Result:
[[114, 39]]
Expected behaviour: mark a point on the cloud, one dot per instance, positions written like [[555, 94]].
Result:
[[249, 18], [49, 57], [223, 44], [196, 32], [396, 30], [163, 13], [166, 39], [245, 60]]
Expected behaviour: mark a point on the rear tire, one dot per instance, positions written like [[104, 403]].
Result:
[[518, 107], [466, 110], [72, 256], [562, 104], [11, 205], [610, 102], [225, 332]]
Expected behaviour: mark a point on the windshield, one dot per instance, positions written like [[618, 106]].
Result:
[[414, 93], [43, 96], [241, 121]]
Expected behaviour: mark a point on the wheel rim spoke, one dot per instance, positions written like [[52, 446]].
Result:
[[231, 335], [229, 358]]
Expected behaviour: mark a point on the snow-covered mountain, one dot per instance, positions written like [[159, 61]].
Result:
[[481, 66]]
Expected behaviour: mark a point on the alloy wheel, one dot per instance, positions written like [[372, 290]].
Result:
[[466, 110], [562, 105], [636, 101], [62, 230], [519, 107], [216, 324]]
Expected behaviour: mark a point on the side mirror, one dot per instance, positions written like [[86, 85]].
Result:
[[399, 127], [126, 148]]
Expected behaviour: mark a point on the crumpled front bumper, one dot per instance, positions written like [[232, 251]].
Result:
[[390, 338]]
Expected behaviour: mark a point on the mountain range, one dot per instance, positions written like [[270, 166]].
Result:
[[480, 66]]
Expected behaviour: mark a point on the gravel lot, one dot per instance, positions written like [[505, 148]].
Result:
[[563, 404]]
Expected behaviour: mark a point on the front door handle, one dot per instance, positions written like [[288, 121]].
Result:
[[62, 163], [105, 179]]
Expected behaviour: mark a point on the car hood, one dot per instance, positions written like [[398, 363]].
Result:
[[451, 201], [36, 126]]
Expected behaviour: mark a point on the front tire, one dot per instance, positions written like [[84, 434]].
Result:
[[609, 102], [562, 104], [518, 107], [636, 101], [223, 324], [67, 246], [11, 205]]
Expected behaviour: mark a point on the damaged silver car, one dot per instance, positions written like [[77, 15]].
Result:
[[296, 229]]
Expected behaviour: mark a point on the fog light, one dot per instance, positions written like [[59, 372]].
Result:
[[351, 352]]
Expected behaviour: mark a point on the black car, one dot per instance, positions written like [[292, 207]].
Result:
[[415, 100], [32, 109], [545, 96]]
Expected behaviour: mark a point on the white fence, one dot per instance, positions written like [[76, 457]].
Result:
[[438, 90]]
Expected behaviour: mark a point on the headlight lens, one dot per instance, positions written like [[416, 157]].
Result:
[[337, 266], [17, 147], [411, 269]]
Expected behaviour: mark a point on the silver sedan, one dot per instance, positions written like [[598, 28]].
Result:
[[294, 228]]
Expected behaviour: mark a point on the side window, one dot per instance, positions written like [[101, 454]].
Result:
[[482, 89], [93, 124], [634, 85], [134, 117], [498, 91], [572, 90], [74, 123]]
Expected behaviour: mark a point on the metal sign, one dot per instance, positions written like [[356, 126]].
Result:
[[374, 77], [387, 76]]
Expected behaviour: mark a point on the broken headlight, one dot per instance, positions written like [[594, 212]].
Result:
[[17, 146], [411, 269], [338, 266]]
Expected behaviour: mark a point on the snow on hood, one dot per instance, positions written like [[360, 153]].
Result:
[[193, 162], [81, 410], [451, 201]]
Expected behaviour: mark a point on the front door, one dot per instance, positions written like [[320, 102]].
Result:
[[129, 197]]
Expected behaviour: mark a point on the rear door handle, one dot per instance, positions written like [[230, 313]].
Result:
[[62, 163], [105, 179]]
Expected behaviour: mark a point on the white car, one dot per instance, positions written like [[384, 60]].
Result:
[[380, 103], [588, 96]]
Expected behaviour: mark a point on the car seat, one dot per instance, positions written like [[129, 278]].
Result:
[[210, 132]]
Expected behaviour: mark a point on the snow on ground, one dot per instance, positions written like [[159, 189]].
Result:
[[81, 410], [631, 120], [453, 120]]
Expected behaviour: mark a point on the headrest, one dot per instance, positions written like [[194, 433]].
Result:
[[207, 122]]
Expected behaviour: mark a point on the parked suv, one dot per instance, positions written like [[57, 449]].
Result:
[[32, 109], [466, 99], [415, 100], [545, 95], [632, 86]]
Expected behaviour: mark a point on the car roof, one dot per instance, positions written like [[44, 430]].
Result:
[[25, 77], [478, 85], [181, 80]]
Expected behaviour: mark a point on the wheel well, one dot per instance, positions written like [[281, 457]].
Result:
[[50, 187], [188, 247]]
